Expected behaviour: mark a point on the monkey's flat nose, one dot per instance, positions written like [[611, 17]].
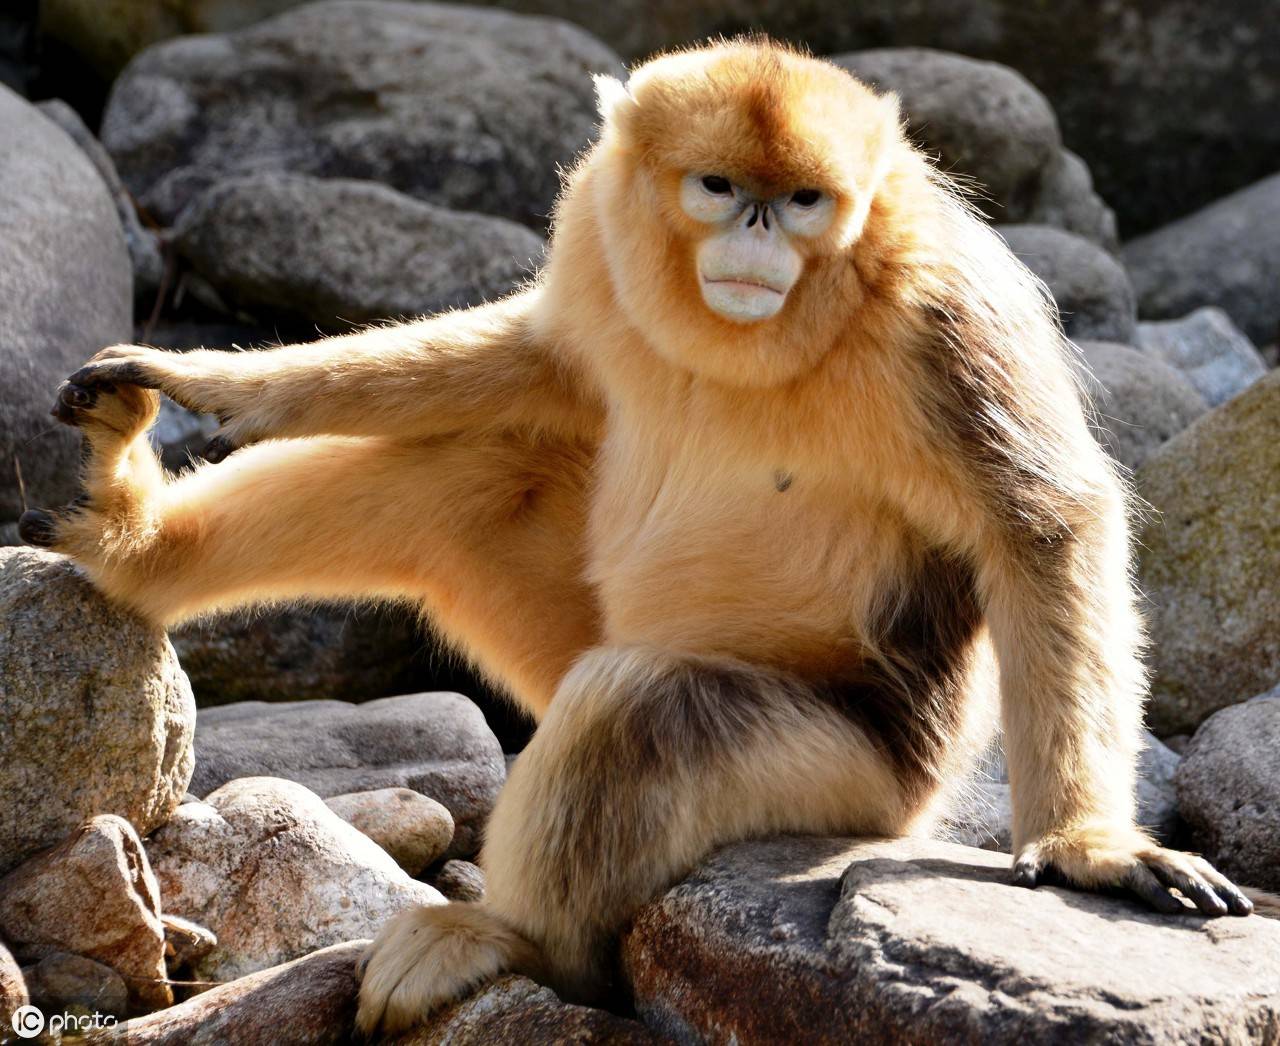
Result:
[[758, 218]]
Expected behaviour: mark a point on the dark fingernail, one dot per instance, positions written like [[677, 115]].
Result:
[[217, 449], [37, 527]]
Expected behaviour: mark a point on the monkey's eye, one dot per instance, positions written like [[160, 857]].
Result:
[[716, 185], [806, 197]]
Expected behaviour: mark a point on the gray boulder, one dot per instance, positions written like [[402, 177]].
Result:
[[516, 1010], [1229, 790], [311, 1001], [144, 245], [437, 744], [414, 830], [332, 252], [299, 652], [988, 123], [1171, 104], [465, 108], [98, 716], [1094, 296], [93, 895], [1139, 401], [1066, 198], [981, 120], [1209, 560], [274, 874], [66, 983], [1209, 349], [1226, 254], [836, 941], [460, 881], [13, 989], [66, 285]]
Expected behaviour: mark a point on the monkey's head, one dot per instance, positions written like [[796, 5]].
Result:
[[732, 184]]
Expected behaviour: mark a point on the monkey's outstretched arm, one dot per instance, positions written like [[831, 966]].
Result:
[[480, 368]]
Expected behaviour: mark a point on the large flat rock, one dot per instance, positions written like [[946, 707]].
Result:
[[911, 941]]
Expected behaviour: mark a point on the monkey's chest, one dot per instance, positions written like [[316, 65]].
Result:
[[754, 558]]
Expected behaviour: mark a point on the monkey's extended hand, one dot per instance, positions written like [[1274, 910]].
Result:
[[210, 382], [1103, 859]]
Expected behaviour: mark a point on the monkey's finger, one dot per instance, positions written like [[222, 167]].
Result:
[[1193, 888], [38, 527], [217, 449], [1237, 902], [1142, 882], [109, 372]]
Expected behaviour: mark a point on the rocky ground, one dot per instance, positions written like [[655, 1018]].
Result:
[[197, 830]]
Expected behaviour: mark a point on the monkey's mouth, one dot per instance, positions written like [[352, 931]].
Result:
[[744, 283], [742, 299]]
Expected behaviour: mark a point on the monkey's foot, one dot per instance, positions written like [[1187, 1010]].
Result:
[[126, 411], [427, 957], [1100, 858]]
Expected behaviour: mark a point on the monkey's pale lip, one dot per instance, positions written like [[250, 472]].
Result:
[[738, 282]]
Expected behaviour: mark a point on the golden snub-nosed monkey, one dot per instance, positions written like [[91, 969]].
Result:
[[739, 497]]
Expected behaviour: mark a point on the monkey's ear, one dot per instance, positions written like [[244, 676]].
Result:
[[613, 100]]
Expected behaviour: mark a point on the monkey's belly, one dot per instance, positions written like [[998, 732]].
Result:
[[769, 576]]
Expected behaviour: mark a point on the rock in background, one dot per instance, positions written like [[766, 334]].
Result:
[[829, 941], [1227, 254], [516, 1010], [1139, 401], [334, 252], [436, 744], [1209, 561], [274, 874], [13, 990], [413, 829], [311, 1001], [1209, 349], [1094, 296], [300, 653], [987, 123], [1229, 790], [464, 108], [67, 290], [92, 895], [98, 717]]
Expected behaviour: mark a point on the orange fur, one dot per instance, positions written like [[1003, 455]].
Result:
[[751, 575]]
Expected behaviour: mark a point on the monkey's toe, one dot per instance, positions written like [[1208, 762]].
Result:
[[38, 527], [74, 401], [217, 449]]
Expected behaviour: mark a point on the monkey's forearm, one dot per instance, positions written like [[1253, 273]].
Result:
[[1067, 640], [475, 369]]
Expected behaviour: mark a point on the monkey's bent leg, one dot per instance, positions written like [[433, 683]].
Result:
[[486, 532], [645, 762]]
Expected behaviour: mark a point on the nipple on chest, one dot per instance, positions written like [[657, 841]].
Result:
[[781, 480]]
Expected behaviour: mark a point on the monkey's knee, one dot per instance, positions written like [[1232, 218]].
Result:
[[426, 958]]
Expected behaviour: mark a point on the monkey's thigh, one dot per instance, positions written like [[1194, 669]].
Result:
[[647, 760], [496, 526]]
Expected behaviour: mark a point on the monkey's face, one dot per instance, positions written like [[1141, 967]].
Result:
[[751, 257], [731, 188]]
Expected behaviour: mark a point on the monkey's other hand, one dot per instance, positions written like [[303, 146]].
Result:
[[128, 365], [1097, 858], [427, 957]]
